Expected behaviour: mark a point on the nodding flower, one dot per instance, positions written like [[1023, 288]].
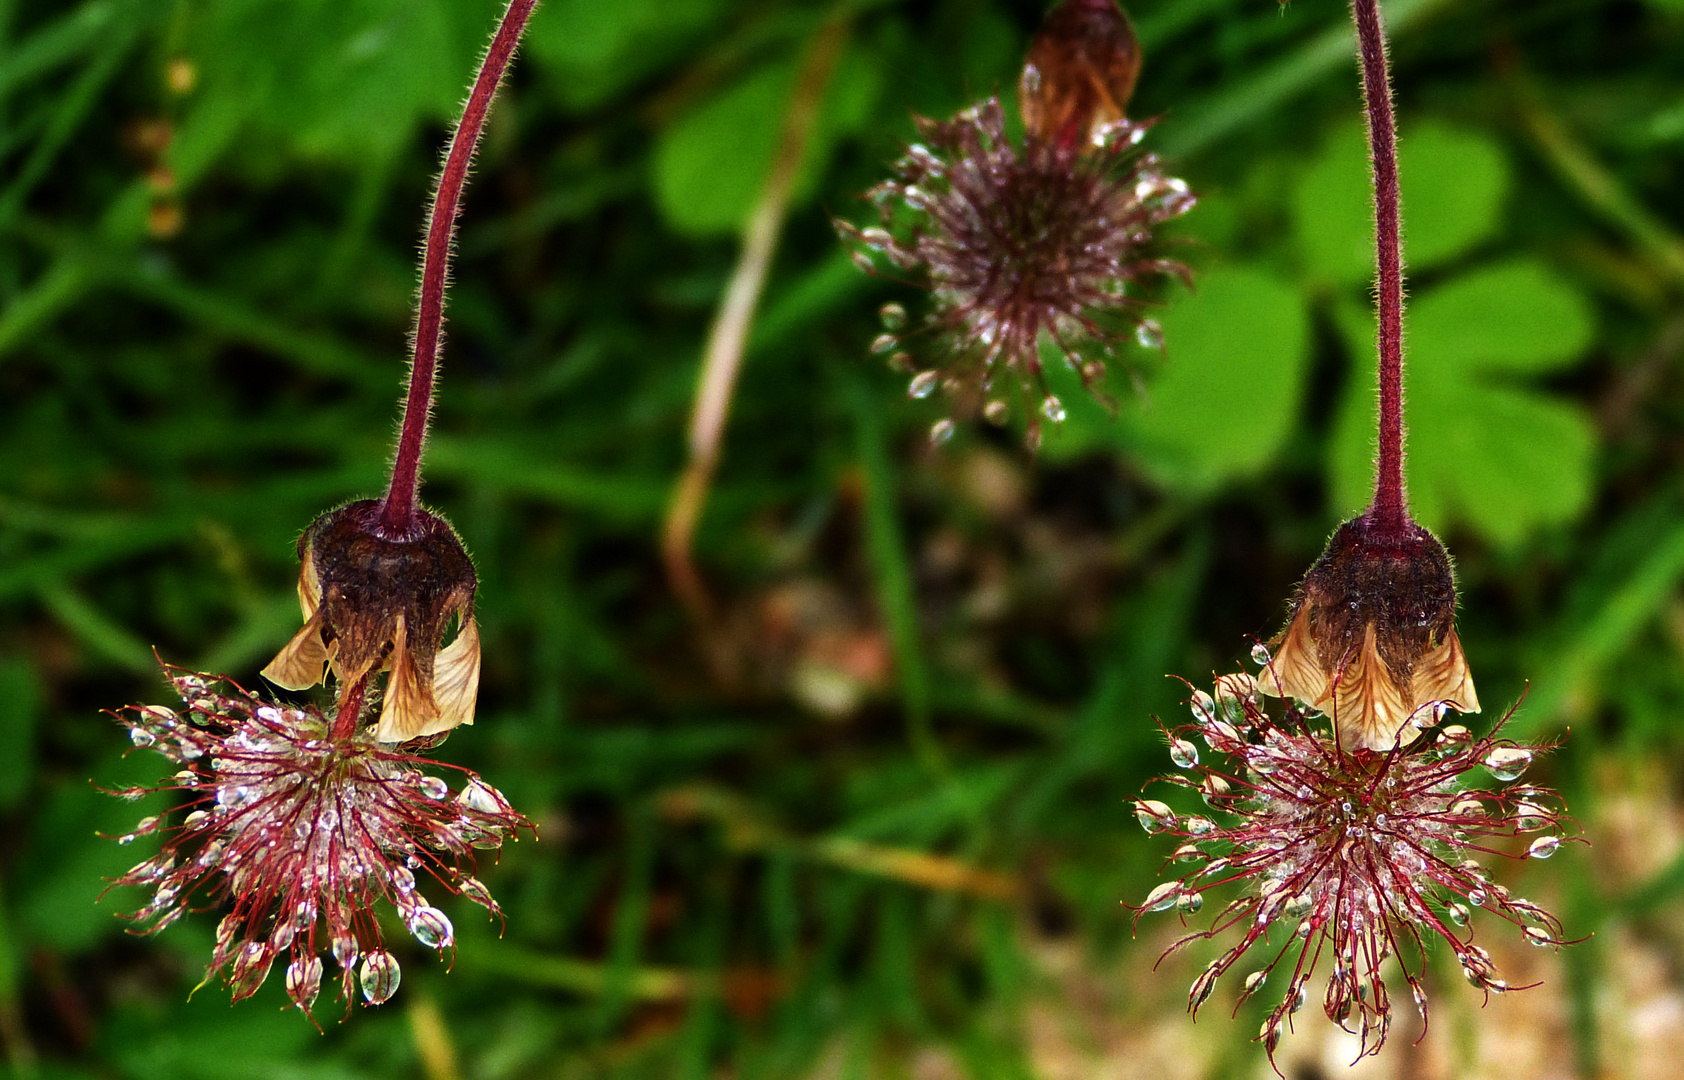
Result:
[[1372, 635], [1352, 856], [372, 603], [301, 827], [1052, 236]]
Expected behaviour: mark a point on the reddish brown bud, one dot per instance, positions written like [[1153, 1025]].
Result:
[[1079, 74], [370, 603], [1372, 636]]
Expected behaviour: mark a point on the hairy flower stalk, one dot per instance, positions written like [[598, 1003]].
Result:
[[1051, 237], [301, 827], [1348, 858], [1372, 633], [302, 820]]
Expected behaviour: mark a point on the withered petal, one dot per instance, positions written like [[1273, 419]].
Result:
[[456, 679], [409, 710], [309, 585], [300, 663], [1369, 708], [1295, 670], [1443, 675]]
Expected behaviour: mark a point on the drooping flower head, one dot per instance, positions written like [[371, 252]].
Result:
[[1345, 858], [372, 601], [1372, 635], [1053, 236], [302, 829]]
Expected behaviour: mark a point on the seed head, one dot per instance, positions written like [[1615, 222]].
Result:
[[373, 601], [1372, 635], [1355, 855], [300, 832], [1052, 236]]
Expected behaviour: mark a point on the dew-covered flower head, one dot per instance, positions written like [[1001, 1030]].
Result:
[[301, 831], [1331, 860], [1045, 241]]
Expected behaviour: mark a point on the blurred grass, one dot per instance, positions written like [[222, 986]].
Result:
[[899, 840]]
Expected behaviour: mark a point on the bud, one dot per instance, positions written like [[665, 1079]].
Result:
[[1372, 635], [1079, 73], [371, 602]]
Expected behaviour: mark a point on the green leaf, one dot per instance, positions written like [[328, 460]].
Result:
[[712, 162], [339, 77], [593, 51], [1454, 182], [1482, 451], [1235, 357]]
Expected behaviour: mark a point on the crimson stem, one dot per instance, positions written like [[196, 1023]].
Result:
[[397, 513], [1389, 515]]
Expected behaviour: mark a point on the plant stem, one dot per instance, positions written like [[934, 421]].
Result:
[[398, 512], [1389, 514], [350, 712], [729, 337]]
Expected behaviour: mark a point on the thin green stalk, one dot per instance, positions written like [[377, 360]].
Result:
[[893, 573]]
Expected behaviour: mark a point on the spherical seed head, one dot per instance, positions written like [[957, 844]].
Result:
[[1079, 74], [373, 601], [301, 833], [1020, 241], [1348, 857], [1372, 636]]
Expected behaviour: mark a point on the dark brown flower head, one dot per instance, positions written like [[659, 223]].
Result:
[[1352, 856], [1372, 635], [1079, 74], [300, 831], [372, 602]]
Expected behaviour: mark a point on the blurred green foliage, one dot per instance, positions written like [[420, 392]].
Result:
[[945, 662]]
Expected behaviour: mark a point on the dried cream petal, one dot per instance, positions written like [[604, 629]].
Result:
[[409, 710], [1369, 708], [299, 664], [309, 586], [1443, 675], [1295, 670], [456, 679]]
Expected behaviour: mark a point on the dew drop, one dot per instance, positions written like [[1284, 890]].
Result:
[[304, 980], [883, 344], [1543, 847], [1203, 706], [863, 262], [479, 795], [380, 976], [1253, 983], [923, 384], [893, 317], [1163, 897], [941, 432], [1260, 654], [1053, 409], [996, 413], [1183, 753], [345, 950], [141, 737], [900, 363], [433, 787], [432, 928], [1190, 902], [1154, 816], [1477, 897], [1538, 936], [1200, 826], [1149, 334], [1508, 762]]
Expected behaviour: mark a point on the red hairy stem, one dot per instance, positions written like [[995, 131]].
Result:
[[350, 709], [1389, 512], [398, 509]]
